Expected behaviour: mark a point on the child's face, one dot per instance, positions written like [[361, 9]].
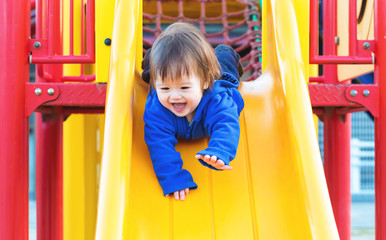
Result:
[[180, 97]]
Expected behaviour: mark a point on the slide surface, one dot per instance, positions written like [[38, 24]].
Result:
[[276, 189]]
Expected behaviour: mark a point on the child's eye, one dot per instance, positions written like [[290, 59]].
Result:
[[184, 88], [164, 88]]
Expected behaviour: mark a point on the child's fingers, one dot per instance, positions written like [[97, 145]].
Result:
[[226, 167], [182, 195], [221, 165], [167, 195], [176, 195], [186, 191], [213, 160]]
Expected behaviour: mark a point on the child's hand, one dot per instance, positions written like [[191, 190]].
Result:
[[214, 162], [180, 194]]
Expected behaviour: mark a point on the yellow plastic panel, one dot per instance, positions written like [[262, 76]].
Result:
[[276, 189], [73, 175], [365, 31], [79, 177], [79, 149], [104, 19]]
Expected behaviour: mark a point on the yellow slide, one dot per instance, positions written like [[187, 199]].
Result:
[[276, 189]]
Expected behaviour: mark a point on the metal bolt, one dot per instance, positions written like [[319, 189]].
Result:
[[366, 93], [37, 45], [353, 93], [51, 91], [337, 40], [107, 41], [38, 91], [366, 45]]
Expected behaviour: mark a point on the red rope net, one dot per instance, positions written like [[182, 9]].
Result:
[[234, 23]]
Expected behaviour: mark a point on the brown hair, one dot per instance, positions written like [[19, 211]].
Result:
[[183, 50]]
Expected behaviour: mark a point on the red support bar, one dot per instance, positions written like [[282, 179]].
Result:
[[357, 54], [71, 48], [329, 95], [90, 27], [63, 59], [337, 135], [49, 175], [352, 28], [82, 78], [14, 73], [82, 30], [51, 36], [380, 126], [49, 132], [365, 94], [341, 60], [37, 94], [319, 79], [86, 96], [314, 33], [91, 97]]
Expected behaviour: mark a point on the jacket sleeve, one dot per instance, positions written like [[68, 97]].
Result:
[[167, 162], [223, 126]]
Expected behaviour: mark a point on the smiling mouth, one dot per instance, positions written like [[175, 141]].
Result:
[[179, 107]]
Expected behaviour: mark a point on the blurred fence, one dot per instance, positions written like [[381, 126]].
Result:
[[362, 169]]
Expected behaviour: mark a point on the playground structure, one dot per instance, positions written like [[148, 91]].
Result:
[[67, 166]]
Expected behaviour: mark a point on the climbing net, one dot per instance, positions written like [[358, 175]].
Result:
[[234, 23]]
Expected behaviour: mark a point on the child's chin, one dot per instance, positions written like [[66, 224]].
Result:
[[179, 114]]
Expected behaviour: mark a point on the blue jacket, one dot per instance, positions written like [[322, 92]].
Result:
[[217, 117]]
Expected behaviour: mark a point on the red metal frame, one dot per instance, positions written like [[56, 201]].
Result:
[[337, 122], [49, 131], [52, 32], [79, 97], [337, 128], [14, 73], [357, 54], [380, 126], [332, 101], [45, 53]]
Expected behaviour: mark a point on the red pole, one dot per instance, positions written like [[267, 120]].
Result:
[[49, 133], [337, 137], [14, 73], [379, 125], [49, 189]]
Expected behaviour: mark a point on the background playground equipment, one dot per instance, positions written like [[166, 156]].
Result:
[[66, 201]]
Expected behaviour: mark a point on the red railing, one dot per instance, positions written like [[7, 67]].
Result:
[[359, 50], [47, 33], [47, 47]]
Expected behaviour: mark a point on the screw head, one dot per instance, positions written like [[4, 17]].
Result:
[[337, 40], [107, 41], [366, 93], [353, 93], [37, 45], [38, 91], [366, 45], [51, 91]]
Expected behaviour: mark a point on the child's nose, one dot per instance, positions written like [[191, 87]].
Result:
[[175, 96]]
